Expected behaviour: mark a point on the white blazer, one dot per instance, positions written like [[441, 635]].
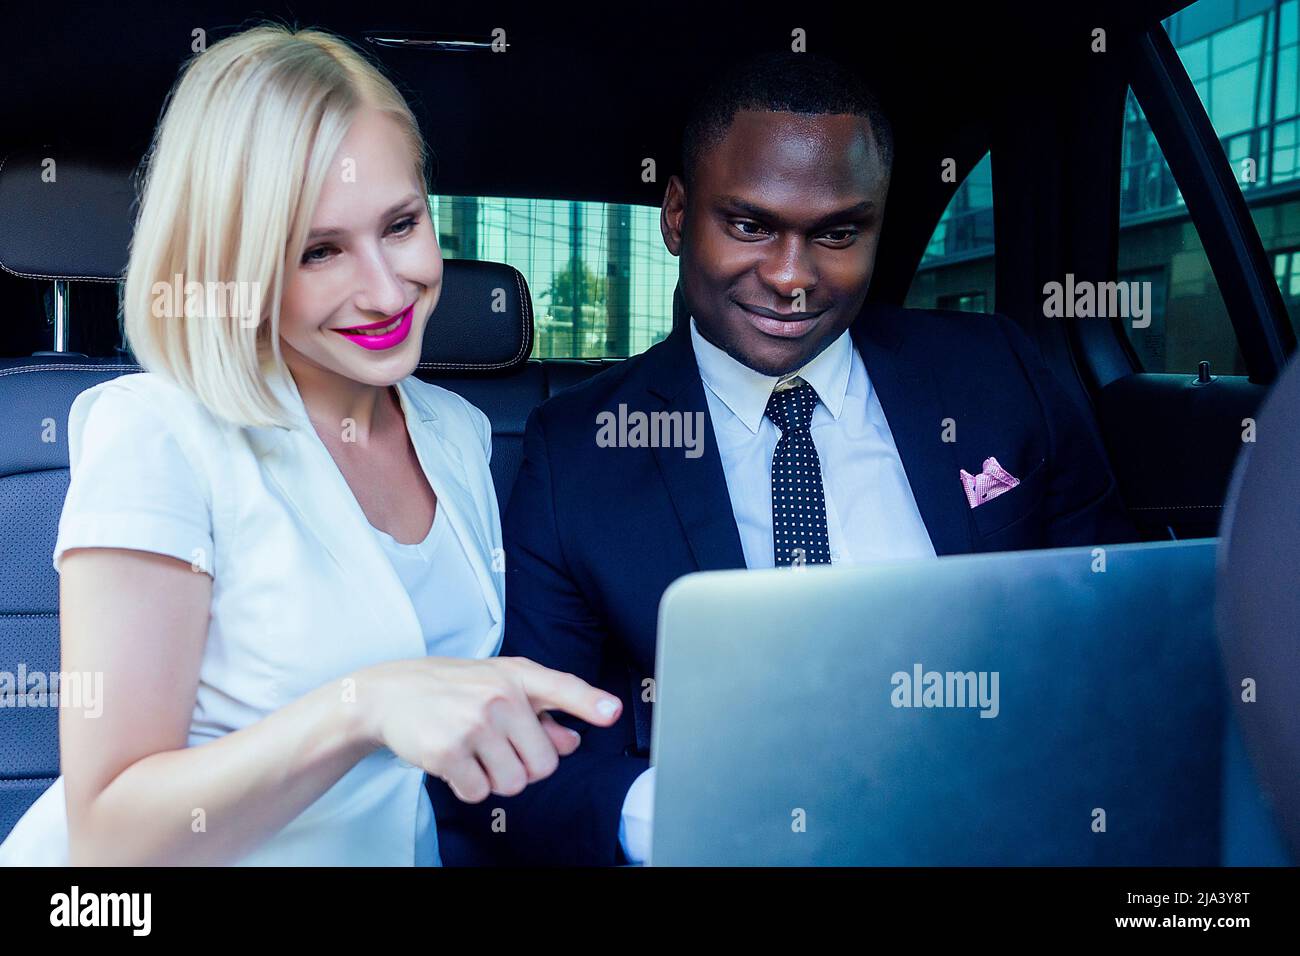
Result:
[[303, 593]]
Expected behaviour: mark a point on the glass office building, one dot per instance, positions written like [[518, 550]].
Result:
[[1242, 57], [601, 280]]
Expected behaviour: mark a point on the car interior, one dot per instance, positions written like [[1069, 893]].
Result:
[[570, 112]]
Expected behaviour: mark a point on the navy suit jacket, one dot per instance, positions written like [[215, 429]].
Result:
[[594, 535]]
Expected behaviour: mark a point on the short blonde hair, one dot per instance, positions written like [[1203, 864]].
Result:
[[227, 192]]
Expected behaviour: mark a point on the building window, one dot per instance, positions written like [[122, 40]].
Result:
[[1286, 267], [601, 279], [957, 268], [1242, 58], [1188, 321], [1146, 184], [966, 226]]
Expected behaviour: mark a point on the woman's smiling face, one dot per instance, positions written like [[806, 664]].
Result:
[[356, 302]]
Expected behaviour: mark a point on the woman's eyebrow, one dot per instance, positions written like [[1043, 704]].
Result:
[[329, 232]]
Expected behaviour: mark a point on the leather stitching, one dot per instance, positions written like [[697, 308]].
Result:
[[68, 367], [40, 275], [525, 343]]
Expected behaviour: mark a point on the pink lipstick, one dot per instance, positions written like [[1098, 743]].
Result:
[[384, 334]]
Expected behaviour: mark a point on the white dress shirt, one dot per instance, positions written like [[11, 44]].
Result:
[[871, 514]]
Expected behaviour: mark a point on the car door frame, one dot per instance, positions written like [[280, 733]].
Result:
[[1172, 439]]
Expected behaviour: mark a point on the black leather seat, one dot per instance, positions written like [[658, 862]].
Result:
[[35, 395]]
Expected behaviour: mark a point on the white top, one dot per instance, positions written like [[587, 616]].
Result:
[[267, 512], [436, 575], [871, 514]]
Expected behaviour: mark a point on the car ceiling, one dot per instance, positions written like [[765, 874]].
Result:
[[581, 97]]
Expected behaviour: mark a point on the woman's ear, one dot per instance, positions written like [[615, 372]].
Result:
[[672, 215]]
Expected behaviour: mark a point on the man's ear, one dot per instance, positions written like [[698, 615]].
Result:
[[672, 215]]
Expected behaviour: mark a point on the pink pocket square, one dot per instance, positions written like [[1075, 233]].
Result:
[[994, 480]]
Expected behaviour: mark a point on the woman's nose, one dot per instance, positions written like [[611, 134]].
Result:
[[381, 288]]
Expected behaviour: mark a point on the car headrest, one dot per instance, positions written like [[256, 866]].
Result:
[[1258, 603], [483, 321], [63, 217], [66, 217]]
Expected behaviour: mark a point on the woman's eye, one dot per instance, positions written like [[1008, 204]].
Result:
[[317, 254]]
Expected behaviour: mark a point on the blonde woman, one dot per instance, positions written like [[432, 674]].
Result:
[[278, 544]]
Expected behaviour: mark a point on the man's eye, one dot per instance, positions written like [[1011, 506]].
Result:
[[840, 237], [747, 227]]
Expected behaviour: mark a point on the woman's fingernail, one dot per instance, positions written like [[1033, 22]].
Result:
[[577, 737], [607, 707]]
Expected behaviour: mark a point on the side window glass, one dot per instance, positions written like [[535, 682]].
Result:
[[1241, 57], [956, 271]]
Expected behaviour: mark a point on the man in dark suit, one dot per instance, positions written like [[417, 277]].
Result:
[[787, 423]]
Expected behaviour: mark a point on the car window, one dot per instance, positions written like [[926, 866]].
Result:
[[1241, 57], [1160, 253], [1286, 268], [601, 279], [956, 271]]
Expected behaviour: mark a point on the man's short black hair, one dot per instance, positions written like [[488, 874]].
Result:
[[782, 83]]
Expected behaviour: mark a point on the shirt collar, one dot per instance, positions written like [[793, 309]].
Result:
[[746, 392]]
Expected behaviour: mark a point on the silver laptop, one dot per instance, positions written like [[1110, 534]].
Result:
[[1055, 707]]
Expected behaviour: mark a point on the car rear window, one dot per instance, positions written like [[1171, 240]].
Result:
[[601, 279]]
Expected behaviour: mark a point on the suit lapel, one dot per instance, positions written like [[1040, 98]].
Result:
[[442, 464], [914, 407], [299, 465], [697, 486]]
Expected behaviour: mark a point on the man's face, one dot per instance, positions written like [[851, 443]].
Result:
[[777, 236]]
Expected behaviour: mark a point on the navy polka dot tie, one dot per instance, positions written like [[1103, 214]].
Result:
[[798, 502]]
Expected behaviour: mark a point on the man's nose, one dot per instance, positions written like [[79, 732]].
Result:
[[788, 270]]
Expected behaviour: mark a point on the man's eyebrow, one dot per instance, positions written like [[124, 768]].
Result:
[[748, 208], [329, 232], [847, 214]]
